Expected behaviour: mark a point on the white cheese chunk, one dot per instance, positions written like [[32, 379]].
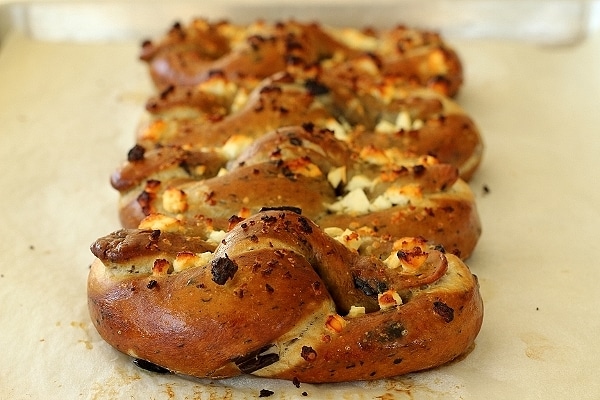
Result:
[[234, 146], [356, 311], [337, 176], [355, 201]]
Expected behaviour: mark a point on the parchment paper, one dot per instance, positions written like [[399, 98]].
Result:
[[68, 112]]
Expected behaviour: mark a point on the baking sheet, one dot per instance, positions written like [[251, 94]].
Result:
[[68, 110]]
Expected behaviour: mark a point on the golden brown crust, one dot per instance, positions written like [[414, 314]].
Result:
[[292, 166], [277, 282], [294, 207], [188, 55], [379, 126]]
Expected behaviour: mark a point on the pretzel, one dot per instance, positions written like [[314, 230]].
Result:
[[188, 55], [278, 297]]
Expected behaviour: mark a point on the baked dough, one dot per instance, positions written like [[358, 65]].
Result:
[[295, 206], [189, 54], [280, 298]]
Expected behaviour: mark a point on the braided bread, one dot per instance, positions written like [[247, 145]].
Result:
[[280, 298], [300, 193], [188, 55]]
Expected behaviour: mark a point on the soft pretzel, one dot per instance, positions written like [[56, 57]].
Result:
[[280, 298], [189, 54]]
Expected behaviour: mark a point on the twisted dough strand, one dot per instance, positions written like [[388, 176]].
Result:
[[276, 282], [188, 55]]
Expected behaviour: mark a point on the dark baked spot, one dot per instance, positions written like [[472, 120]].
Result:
[[443, 310], [233, 221], [308, 353], [256, 360], [148, 366], [166, 92], [268, 219], [145, 201], [391, 332], [295, 141], [305, 225], [364, 286], [394, 330], [136, 153], [265, 393], [222, 269], [315, 88], [255, 41], [308, 127], [288, 173], [154, 235], [419, 170]]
